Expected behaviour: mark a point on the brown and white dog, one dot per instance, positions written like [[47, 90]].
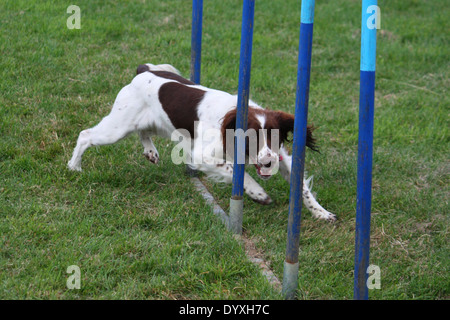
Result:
[[158, 101]]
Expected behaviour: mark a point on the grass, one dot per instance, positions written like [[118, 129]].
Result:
[[142, 232]]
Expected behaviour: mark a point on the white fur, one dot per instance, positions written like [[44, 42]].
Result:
[[137, 109]]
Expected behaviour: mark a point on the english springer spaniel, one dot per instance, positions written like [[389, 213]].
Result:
[[159, 101]]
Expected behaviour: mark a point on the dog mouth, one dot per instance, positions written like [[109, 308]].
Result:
[[264, 170]]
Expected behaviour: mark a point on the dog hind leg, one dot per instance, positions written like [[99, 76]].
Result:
[[108, 131]]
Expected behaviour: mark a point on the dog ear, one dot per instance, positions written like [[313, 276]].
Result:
[[229, 122], [310, 140], [142, 68], [286, 125]]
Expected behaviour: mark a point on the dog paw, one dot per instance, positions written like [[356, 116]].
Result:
[[261, 198], [152, 156], [266, 201], [74, 166], [325, 215]]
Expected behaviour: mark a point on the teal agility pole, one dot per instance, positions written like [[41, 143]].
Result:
[[290, 274]]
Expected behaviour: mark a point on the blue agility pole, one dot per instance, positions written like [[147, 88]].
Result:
[[196, 52], [236, 201], [365, 146], [290, 274], [196, 40]]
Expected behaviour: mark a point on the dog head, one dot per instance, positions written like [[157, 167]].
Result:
[[266, 132]]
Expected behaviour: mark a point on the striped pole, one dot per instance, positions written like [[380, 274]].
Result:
[[236, 201], [290, 274], [365, 146], [196, 40]]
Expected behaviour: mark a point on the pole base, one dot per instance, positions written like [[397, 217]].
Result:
[[191, 172], [236, 214], [290, 280]]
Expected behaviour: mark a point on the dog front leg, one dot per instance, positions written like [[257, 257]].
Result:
[[223, 172], [150, 151], [255, 191], [308, 198]]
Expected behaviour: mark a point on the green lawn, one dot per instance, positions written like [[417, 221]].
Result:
[[139, 231]]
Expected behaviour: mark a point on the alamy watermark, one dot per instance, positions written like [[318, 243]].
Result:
[[74, 21], [374, 21], [74, 281], [374, 279], [262, 147]]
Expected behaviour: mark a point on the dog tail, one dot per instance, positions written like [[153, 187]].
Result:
[[159, 67]]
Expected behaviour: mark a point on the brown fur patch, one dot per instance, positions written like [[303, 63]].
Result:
[[180, 103], [163, 74], [172, 76], [142, 68]]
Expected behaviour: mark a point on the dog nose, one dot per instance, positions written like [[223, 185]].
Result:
[[268, 165]]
